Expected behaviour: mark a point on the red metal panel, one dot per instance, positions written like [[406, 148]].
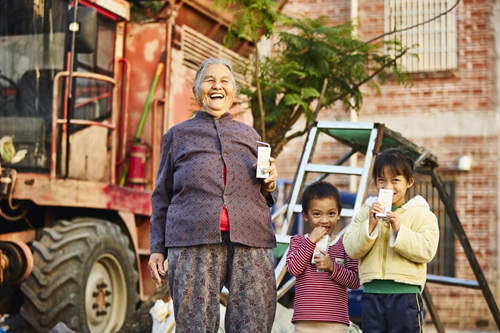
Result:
[[44, 191], [183, 102], [100, 10], [114, 7], [145, 43]]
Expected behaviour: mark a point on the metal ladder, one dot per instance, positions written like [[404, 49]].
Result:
[[293, 207]]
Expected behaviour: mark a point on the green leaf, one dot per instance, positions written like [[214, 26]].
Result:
[[309, 92], [292, 99]]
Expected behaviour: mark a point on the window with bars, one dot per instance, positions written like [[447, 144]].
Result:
[[197, 47], [444, 261], [433, 45]]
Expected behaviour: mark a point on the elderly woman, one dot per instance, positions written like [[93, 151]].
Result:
[[211, 215]]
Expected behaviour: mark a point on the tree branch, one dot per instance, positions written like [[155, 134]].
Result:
[[414, 25], [292, 119], [259, 96], [368, 78], [295, 134]]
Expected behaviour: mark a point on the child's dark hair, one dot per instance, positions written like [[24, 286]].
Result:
[[397, 159], [319, 190]]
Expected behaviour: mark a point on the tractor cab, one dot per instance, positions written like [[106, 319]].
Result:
[[40, 107]]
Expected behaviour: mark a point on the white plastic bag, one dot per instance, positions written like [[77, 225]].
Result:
[[163, 317]]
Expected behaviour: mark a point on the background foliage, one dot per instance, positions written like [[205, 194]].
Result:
[[286, 85]]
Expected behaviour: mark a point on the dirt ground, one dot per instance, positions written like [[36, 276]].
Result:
[[141, 321]]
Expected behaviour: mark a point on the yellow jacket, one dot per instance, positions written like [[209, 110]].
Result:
[[402, 258]]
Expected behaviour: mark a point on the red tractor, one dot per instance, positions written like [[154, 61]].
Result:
[[73, 242]]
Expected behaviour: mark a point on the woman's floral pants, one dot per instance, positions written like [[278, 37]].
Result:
[[197, 274]]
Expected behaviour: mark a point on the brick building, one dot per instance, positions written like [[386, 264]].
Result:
[[452, 109]]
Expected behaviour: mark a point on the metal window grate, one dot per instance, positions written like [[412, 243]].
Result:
[[444, 261], [197, 47], [434, 45]]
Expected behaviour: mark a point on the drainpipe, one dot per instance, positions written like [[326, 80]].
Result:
[[496, 26], [353, 116]]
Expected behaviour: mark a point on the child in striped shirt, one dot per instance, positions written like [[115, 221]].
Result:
[[322, 277]]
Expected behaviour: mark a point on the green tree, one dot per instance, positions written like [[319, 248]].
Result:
[[311, 52]]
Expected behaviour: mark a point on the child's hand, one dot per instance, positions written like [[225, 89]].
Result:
[[317, 234], [323, 261], [394, 221], [376, 208]]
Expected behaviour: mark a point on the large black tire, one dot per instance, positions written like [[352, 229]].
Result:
[[84, 275]]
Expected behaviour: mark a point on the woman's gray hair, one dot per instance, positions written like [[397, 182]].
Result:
[[201, 71]]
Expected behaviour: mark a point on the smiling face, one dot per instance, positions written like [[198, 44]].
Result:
[[322, 212], [397, 183], [216, 90]]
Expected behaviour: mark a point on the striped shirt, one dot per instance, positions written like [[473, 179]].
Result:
[[321, 296]]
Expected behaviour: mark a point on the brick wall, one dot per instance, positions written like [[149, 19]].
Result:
[[452, 114]]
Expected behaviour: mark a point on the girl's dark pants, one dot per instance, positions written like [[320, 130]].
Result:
[[392, 313]]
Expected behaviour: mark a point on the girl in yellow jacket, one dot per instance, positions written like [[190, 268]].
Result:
[[393, 250]]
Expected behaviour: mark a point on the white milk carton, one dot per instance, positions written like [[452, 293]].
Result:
[[385, 198], [322, 244], [263, 159]]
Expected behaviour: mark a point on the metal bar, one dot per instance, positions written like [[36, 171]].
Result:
[[340, 161], [326, 168], [124, 107], [421, 159], [74, 27], [92, 100], [299, 178], [451, 281], [168, 69], [283, 239], [459, 231], [154, 129], [280, 269], [432, 310], [280, 212], [285, 287], [85, 122], [328, 124], [55, 99], [367, 166], [55, 113], [346, 212]]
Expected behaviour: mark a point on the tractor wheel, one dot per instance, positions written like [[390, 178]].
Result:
[[84, 275]]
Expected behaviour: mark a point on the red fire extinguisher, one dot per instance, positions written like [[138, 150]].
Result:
[[139, 153]]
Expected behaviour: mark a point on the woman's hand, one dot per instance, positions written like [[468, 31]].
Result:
[[156, 268], [323, 261], [269, 183]]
